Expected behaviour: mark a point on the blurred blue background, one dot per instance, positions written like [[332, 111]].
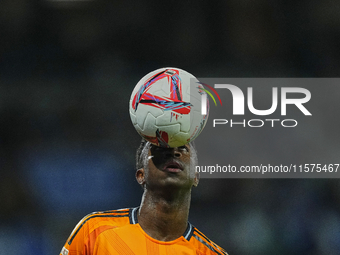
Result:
[[67, 146]]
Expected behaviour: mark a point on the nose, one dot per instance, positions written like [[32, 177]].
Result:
[[174, 152], [177, 152]]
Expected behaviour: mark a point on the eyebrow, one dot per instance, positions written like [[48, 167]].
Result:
[[154, 147]]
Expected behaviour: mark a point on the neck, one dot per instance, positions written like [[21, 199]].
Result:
[[164, 218]]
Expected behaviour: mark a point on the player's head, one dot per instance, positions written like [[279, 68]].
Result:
[[176, 164]]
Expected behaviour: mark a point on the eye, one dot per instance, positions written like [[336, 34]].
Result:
[[154, 147], [157, 149], [184, 148]]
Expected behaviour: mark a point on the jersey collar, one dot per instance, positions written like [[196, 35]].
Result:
[[134, 220]]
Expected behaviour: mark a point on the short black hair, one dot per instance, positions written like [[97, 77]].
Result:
[[139, 157]]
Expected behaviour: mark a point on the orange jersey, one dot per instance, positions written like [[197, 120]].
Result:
[[118, 232]]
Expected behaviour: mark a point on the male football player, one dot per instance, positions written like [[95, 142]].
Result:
[[160, 224]]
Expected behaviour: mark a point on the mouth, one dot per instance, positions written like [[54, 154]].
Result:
[[173, 167]]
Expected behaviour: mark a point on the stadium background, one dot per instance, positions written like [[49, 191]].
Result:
[[67, 69]]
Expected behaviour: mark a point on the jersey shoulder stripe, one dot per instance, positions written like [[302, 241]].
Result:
[[107, 214], [198, 235]]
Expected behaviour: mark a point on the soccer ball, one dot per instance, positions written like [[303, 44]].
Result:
[[165, 107]]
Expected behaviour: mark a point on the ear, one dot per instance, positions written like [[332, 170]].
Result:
[[140, 176], [196, 179]]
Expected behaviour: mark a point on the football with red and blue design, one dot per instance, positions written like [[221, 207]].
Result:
[[165, 107]]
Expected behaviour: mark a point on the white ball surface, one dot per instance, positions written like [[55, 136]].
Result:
[[165, 107]]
